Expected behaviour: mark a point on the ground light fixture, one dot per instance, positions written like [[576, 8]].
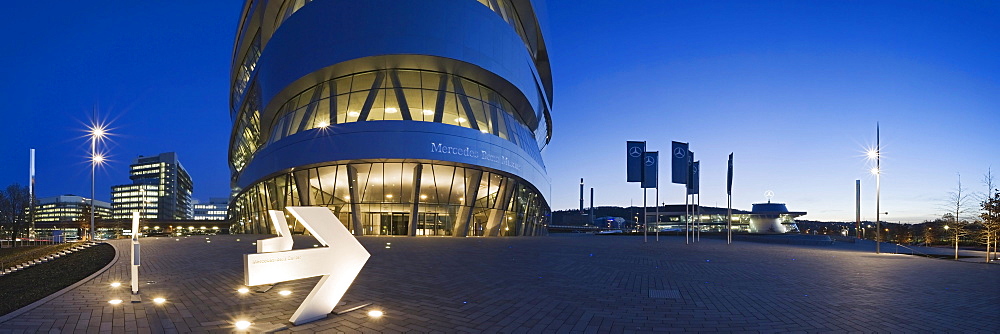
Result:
[[242, 324], [284, 292], [159, 300], [115, 284], [375, 313], [115, 301], [243, 290]]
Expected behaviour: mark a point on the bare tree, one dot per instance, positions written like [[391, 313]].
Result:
[[990, 216], [990, 206], [959, 206], [14, 203]]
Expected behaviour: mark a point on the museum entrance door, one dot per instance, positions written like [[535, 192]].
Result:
[[387, 223], [432, 223]]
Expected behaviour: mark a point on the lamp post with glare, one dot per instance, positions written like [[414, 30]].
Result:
[[97, 132], [876, 154], [956, 240]]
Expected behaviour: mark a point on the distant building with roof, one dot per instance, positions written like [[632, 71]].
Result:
[[762, 218], [67, 211]]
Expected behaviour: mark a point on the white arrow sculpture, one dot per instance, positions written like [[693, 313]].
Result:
[[284, 240], [339, 262]]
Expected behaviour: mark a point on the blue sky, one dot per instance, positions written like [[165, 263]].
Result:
[[793, 88]]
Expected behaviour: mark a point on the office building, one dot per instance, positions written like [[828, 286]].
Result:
[[215, 209], [161, 189], [67, 211]]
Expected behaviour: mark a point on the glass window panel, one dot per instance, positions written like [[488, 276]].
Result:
[[482, 120], [418, 110], [342, 190], [409, 79], [511, 134], [373, 190], [297, 119], [406, 183], [291, 104], [492, 97], [427, 192], [430, 105], [361, 183], [392, 109], [430, 80], [279, 129], [321, 115], [392, 179], [342, 110], [458, 187], [324, 181], [496, 115], [377, 112], [305, 97], [363, 82], [343, 84], [354, 105], [443, 176], [471, 89], [484, 199], [451, 112]]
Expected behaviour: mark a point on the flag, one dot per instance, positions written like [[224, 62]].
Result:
[[634, 151], [695, 176], [679, 162], [650, 166], [729, 178]]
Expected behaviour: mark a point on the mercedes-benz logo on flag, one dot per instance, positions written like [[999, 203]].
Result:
[[694, 169], [679, 153], [650, 161], [634, 151]]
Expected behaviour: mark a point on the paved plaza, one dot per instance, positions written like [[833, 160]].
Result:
[[558, 284]]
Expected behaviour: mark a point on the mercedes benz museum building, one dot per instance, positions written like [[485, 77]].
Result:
[[403, 117]]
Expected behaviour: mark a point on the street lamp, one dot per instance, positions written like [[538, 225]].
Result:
[[97, 132], [956, 240], [876, 154]]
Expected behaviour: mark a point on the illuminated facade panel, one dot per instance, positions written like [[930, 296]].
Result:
[[66, 210], [215, 209]]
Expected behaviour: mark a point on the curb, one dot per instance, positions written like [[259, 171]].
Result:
[[39, 302]]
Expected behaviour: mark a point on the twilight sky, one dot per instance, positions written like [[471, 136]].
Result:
[[793, 88]]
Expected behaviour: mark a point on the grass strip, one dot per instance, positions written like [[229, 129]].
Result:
[[13, 256], [26, 286]]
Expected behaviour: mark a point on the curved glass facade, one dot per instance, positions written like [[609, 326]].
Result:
[[430, 133], [403, 95], [400, 198]]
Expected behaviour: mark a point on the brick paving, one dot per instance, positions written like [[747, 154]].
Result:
[[556, 284]]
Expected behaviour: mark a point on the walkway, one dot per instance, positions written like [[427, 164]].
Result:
[[566, 283]]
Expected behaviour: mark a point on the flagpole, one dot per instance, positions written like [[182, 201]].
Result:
[[729, 219], [686, 219], [657, 203], [729, 202], [645, 224], [698, 207]]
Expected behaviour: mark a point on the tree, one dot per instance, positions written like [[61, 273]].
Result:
[[959, 205], [990, 206], [931, 230], [14, 201], [990, 216]]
